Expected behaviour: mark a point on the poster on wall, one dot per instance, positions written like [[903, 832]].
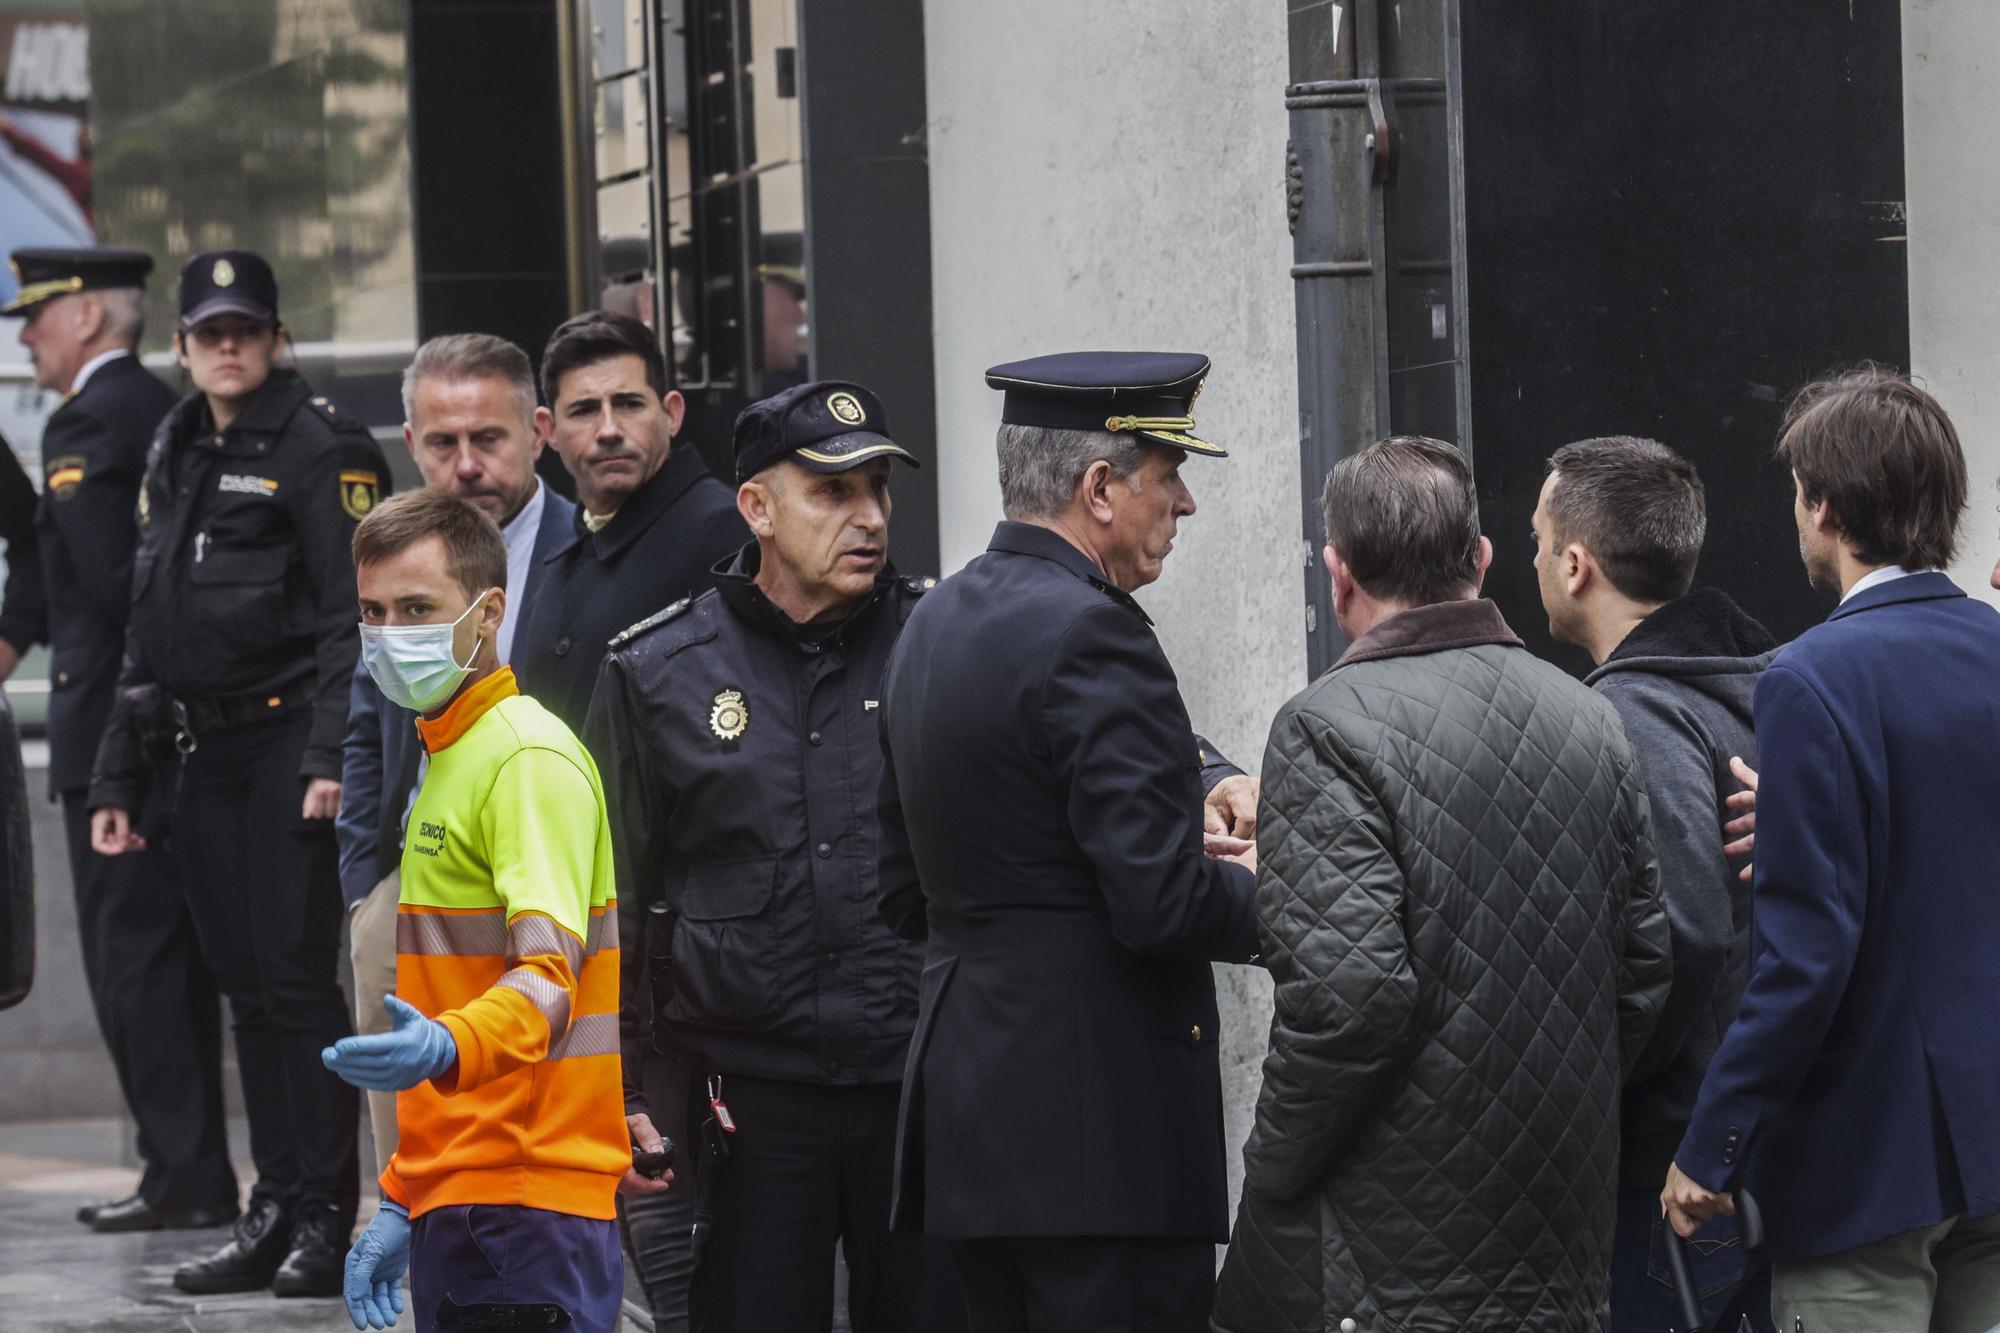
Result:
[[44, 135], [44, 177]]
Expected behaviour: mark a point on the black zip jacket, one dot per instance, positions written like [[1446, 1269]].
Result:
[[665, 544], [243, 581], [741, 767]]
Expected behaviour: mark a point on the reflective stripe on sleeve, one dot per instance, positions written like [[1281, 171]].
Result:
[[591, 1034], [549, 998], [458, 935], [531, 933]]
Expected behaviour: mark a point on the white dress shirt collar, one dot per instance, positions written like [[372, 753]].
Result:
[[1875, 578], [92, 366]]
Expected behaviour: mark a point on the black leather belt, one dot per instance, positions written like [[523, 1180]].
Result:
[[195, 718]]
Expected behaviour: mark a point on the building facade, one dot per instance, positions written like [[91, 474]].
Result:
[[905, 193]]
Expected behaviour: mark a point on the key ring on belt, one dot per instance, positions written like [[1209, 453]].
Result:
[[184, 737]]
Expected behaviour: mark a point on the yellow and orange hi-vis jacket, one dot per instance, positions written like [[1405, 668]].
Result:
[[507, 933]]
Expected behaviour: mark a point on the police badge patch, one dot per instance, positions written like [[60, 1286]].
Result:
[[730, 716], [63, 476], [359, 493], [845, 408]]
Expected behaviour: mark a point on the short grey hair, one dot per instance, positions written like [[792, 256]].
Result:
[[124, 314], [1404, 517], [466, 356], [1040, 467]]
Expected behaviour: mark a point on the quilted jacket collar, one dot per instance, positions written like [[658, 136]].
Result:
[[1430, 629]]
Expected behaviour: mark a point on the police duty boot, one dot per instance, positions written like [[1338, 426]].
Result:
[[318, 1254], [249, 1260]]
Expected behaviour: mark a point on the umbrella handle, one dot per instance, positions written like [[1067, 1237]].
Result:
[[1685, 1295], [1749, 1226]]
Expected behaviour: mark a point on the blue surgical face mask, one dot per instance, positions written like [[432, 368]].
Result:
[[415, 665]]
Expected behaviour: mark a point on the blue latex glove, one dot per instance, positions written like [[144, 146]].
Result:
[[373, 1285], [417, 1050]]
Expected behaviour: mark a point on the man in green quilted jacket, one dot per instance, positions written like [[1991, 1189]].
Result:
[[1459, 904]]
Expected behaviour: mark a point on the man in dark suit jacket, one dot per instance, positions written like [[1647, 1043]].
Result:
[[1042, 825], [1857, 1094], [652, 522], [155, 997], [652, 527], [469, 422]]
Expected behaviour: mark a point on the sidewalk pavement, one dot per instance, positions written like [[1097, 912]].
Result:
[[57, 1275]]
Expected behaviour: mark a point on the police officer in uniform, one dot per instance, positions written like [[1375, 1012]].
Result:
[[241, 649], [1042, 825], [736, 734], [155, 997]]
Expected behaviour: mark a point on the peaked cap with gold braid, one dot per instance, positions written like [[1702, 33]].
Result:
[[43, 274], [1149, 393]]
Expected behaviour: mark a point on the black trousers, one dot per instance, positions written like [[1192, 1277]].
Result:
[[807, 1167], [156, 1006], [264, 888], [1087, 1284]]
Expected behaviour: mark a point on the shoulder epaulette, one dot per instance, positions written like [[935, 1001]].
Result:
[[334, 418], [654, 621]]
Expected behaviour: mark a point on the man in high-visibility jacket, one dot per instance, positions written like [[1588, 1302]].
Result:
[[504, 1054]]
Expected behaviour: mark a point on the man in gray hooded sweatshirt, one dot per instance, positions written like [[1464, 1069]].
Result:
[[1617, 534]]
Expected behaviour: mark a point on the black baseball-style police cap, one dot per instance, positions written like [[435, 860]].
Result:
[[45, 273], [1148, 393], [825, 426], [228, 282]]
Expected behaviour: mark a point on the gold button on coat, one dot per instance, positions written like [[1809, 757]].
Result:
[[1196, 1032]]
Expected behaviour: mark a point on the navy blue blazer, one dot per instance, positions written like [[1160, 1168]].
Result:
[[1859, 1087], [378, 760]]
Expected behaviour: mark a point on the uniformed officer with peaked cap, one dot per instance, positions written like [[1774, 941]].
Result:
[[1042, 829], [154, 995], [737, 738], [43, 273], [242, 647]]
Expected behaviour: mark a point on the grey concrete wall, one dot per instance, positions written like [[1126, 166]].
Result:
[[1110, 175], [1951, 102]]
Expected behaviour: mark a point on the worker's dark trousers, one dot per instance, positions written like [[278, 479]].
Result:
[[264, 889], [469, 1259]]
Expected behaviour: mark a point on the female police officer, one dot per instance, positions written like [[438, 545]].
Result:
[[241, 648]]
